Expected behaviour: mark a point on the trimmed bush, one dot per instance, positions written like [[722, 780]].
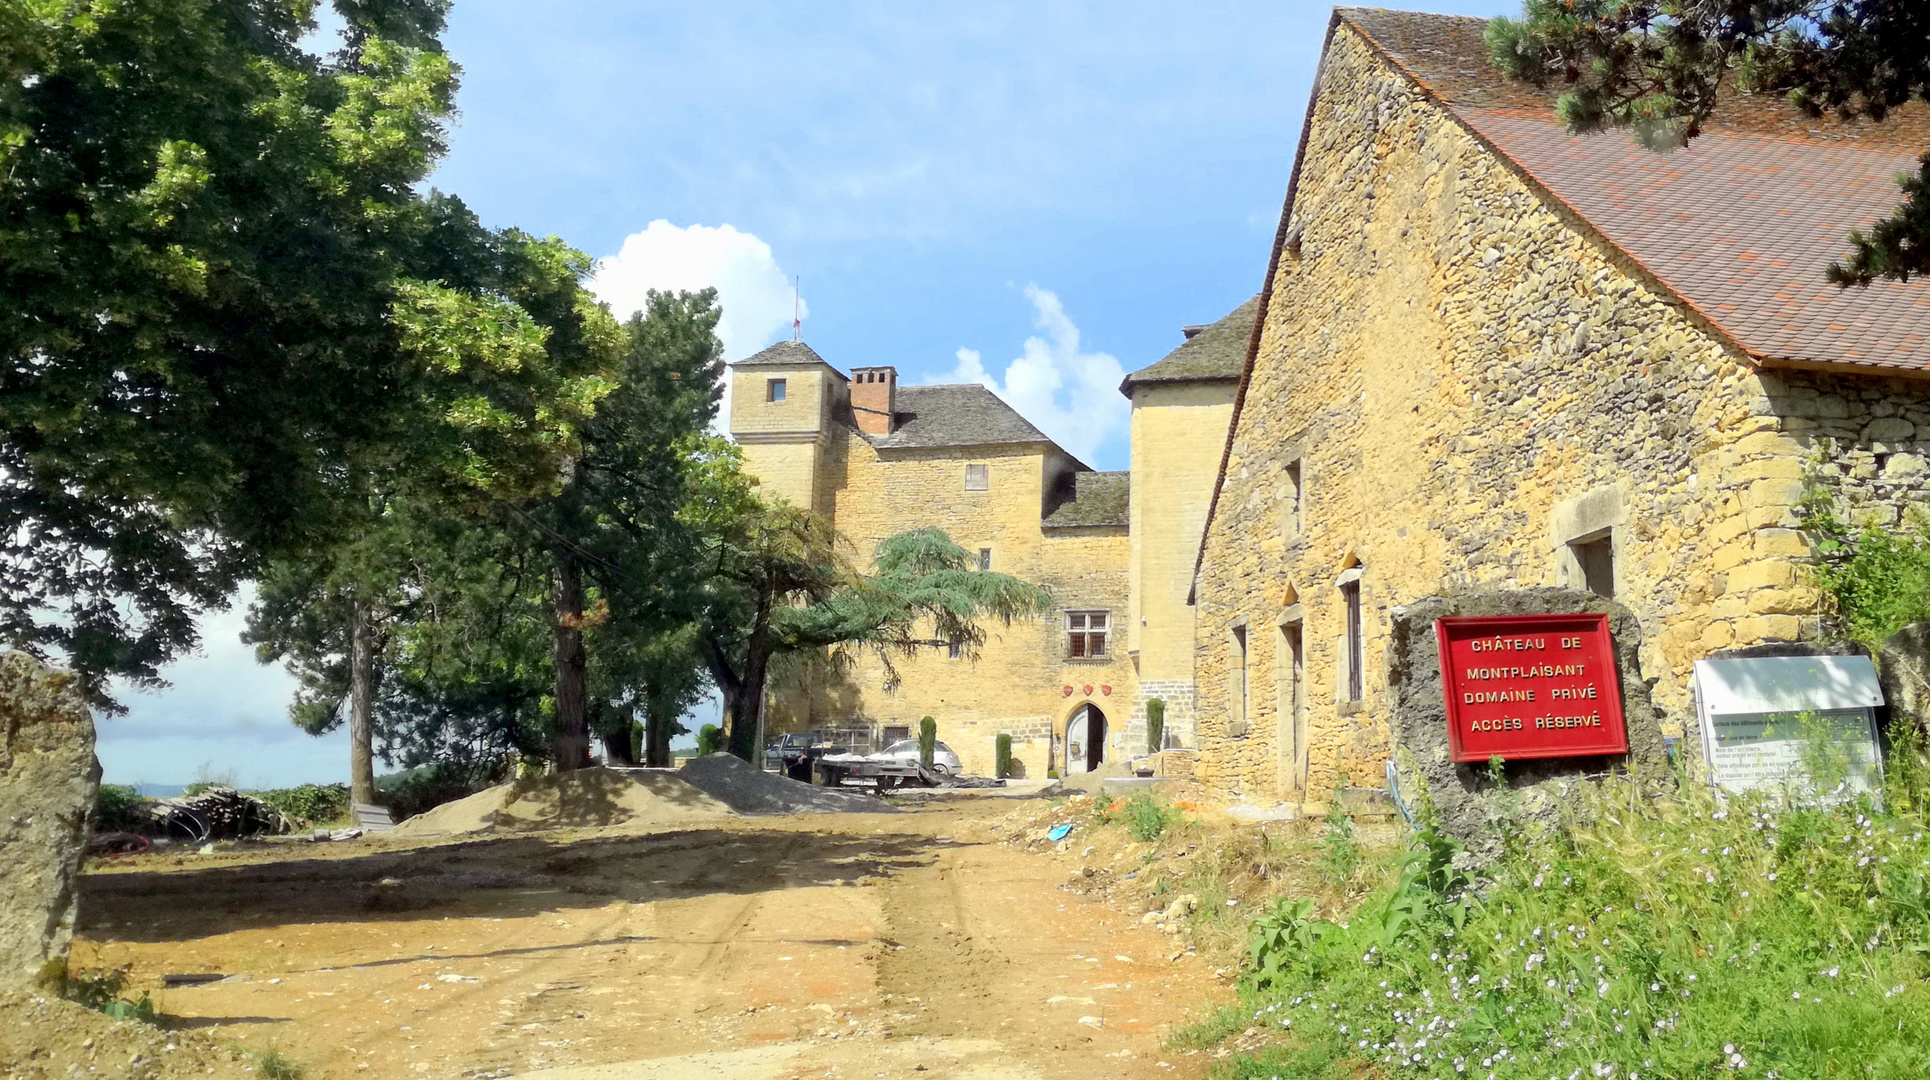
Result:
[[1002, 756], [1155, 725], [927, 740], [118, 809], [309, 804], [710, 739]]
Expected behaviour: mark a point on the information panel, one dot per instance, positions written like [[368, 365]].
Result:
[[1530, 686]]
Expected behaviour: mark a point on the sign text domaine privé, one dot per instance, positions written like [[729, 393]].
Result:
[[1530, 686]]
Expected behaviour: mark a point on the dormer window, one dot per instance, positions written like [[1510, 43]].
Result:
[[774, 390]]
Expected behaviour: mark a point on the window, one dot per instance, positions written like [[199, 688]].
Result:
[[1086, 634], [894, 733], [984, 558], [955, 649], [774, 390], [1292, 501], [978, 477], [1350, 595], [1595, 557], [1239, 681]]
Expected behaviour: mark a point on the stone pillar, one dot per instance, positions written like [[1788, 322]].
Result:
[[1460, 790], [48, 779]]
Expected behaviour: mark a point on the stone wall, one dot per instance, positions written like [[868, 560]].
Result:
[[1472, 380]]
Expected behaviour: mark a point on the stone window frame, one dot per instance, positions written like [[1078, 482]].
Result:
[[1239, 677], [1600, 513], [1085, 632], [985, 558], [978, 476], [1350, 657], [1290, 694], [776, 390]]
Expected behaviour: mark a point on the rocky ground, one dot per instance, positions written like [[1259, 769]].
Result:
[[942, 940]]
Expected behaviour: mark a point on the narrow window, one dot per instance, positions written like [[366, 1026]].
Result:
[[1240, 687], [978, 477], [984, 558], [954, 649], [1294, 497], [1596, 559], [774, 390], [1350, 593], [1086, 634]]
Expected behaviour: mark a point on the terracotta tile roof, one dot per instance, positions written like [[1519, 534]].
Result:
[[1214, 353], [1740, 224]]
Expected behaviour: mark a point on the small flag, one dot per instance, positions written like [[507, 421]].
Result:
[[797, 324]]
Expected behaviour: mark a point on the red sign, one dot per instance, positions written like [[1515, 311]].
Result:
[[1530, 686]]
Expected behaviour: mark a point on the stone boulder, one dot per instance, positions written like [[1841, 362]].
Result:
[[1463, 795], [1903, 666], [48, 780]]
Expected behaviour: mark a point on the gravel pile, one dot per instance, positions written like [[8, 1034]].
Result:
[[731, 781]]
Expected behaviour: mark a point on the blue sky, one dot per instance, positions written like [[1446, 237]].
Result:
[[1036, 194]]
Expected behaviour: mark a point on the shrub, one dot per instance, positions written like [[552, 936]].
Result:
[[1686, 935], [271, 1065], [927, 741], [1340, 857], [100, 990], [1002, 756], [710, 739], [1147, 818], [309, 804], [118, 809], [1155, 725], [425, 787]]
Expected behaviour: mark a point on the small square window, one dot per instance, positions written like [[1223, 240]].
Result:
[[978, 477], [1086, 634], [774, 390], [984, 558], [954, 649]]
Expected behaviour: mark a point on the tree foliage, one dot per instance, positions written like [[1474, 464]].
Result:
[[1660, 67], [231, 311]]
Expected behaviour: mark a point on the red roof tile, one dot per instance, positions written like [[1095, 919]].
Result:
[[1740, 224]]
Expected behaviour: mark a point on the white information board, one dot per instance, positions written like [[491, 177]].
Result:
[[1772, 723]]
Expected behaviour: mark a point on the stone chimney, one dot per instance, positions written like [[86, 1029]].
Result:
[[874, 396]]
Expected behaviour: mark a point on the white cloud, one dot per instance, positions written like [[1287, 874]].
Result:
[[754, 292], [1070, 395]]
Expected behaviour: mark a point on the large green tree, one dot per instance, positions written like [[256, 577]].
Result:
[[776, 584], [1659, 67], [230, 310]]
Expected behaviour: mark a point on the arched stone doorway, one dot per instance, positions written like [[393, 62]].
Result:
[[1085, 739]]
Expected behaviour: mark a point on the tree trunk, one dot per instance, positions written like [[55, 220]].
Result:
[[657, 722], [747, 705], [361, 704], [572, 714]]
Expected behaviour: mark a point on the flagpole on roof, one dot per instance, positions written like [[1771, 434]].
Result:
[[797, 324]]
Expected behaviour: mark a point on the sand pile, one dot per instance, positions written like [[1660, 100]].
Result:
[[587, 798], [753, 791]]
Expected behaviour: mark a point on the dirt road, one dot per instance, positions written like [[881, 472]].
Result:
[[848, 945]]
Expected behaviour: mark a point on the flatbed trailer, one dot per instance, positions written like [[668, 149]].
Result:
[[834, 770]]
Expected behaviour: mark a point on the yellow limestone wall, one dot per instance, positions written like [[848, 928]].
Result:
[[1178, 431], [785, 443], [1016, 684], [1471, 376]]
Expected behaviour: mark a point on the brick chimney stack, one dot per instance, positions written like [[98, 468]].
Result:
[[874, 396]]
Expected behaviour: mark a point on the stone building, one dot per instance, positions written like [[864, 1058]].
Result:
[[1115, 549], [1495, 355]]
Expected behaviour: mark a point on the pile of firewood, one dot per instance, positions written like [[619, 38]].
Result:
[[216, 813]]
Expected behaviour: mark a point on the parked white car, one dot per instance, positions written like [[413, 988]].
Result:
[[942, 758]]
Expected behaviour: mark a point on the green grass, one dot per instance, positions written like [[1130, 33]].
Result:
[[1677, 936], [271, 1065]]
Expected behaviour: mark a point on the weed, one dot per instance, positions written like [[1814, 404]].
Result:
[[100, 990], [1687, 935], [271, 1065], [1340, 856], [1147, 819]]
